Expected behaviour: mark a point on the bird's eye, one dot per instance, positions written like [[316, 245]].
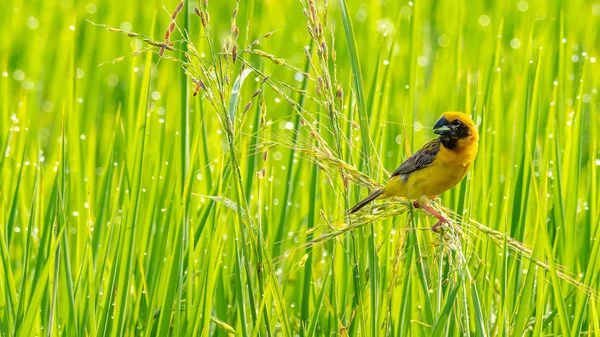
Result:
[[456, 122]]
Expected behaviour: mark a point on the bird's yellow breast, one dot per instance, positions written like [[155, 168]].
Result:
[[447, 170]]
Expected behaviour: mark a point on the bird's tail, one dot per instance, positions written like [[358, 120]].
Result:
[[365, 201]]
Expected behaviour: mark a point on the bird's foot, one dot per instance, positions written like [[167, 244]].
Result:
[[441, 219], [422, 203], [436, 227]]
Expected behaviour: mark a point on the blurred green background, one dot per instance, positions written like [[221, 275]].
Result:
[[111, 224]]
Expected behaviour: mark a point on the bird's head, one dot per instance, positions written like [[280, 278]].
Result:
[[455, 129]]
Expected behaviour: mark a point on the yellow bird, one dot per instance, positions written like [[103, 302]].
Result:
[[437, 167]]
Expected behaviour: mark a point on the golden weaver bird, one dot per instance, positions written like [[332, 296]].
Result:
[[437, 167]]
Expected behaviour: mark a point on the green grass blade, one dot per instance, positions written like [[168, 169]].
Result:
[[440, 325], [357, 81]]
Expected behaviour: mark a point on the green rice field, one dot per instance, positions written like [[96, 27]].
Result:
[[185, 169]]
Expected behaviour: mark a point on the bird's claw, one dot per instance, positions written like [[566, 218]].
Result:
[[441, 220], [436, 227]]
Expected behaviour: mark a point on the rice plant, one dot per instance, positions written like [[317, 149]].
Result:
[[182, 168]]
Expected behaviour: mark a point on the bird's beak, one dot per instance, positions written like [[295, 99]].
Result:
[[442, 127]]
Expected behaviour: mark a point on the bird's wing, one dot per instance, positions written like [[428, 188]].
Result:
[[420, 159]]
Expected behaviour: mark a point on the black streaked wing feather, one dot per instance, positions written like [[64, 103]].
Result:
[[420, 159]]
